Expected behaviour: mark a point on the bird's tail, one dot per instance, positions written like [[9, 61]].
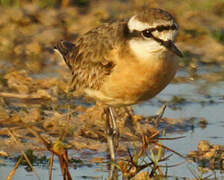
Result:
[[64, 49]]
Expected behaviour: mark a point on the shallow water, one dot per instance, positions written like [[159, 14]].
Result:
[[94, 172], [198, 104]]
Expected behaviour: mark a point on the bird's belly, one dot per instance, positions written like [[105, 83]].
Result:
[[135, 82]]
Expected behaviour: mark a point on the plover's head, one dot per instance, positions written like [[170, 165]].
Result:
[[152, 31]]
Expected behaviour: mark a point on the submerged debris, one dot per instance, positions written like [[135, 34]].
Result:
[[33, 82], [208, 155]]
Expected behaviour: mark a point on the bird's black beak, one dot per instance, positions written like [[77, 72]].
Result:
[[172, 47]]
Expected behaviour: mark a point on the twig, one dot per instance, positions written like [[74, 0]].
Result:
[[169, 149], [58, 149], [13, 171], [159, 115], [63, 160], [68, 118], [47, 144], [24, 154], [21, 96], [51, 165], [174, 138]]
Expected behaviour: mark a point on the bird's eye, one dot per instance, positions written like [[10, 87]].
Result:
[[147, 33], [173, 27]]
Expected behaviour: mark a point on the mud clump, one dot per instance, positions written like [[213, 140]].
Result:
[[208, 155]]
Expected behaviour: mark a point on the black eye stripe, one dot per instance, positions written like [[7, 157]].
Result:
[[162, 28], [148, 32]]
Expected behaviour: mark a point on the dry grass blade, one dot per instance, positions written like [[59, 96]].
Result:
[[193, 172], [157, 167], [68, 118], [13, 171], [44, 141], [154, 140], [163, 159], [169, 149], [24, 154], [63, 160], [131, 168], [21, 96], [199, 175], [60, 150], [174, 138], [146, 141], [173, 165], [51, 165], [159, 115]]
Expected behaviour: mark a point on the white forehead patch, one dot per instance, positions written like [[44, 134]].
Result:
[[135, 24]]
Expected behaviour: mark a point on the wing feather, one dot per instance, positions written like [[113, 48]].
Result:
[[88, 56]]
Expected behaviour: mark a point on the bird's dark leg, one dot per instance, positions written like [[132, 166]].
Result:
[[116, 133], [112, 132]]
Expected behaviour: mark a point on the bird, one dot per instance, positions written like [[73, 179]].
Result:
[[124, 62]]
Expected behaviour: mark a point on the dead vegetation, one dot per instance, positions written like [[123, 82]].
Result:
[[34, 113], [208, 155]]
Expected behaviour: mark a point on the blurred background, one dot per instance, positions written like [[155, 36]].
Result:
[[33, 79], [29, 29]]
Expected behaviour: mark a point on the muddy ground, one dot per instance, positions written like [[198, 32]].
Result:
[[34, 81]]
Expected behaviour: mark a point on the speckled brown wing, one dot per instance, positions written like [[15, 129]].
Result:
[[88, 56]]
